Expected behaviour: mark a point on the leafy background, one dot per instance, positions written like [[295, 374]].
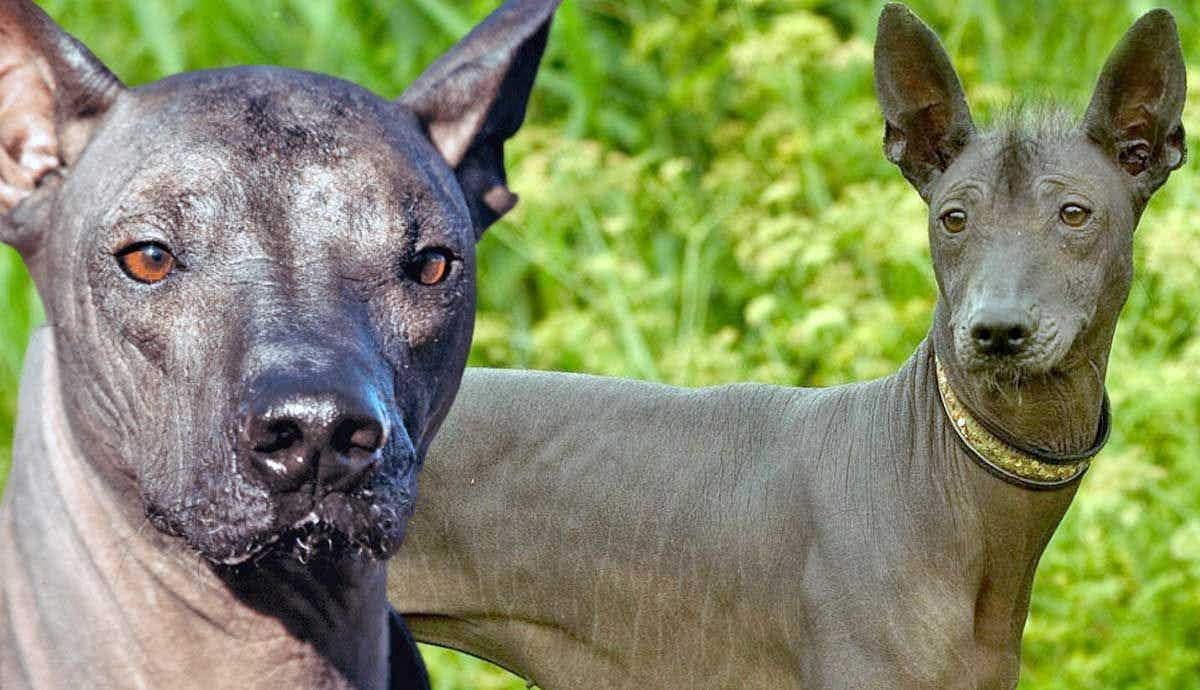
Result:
[[705, 200]]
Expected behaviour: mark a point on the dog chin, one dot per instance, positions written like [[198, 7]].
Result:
[[314, 538], [335, 528], [363, 525], [1006, 370]]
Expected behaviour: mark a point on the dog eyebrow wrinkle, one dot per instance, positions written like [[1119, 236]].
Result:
[[972, 188], [164, 207]]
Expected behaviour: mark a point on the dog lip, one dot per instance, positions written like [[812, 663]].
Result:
[[311, 519], [259, 547], [1006, 362], [238, 560], [1012, 366]]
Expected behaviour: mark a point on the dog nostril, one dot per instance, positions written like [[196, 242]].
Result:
[[358, 435], [279, 452], [355, 443], [278, 435]]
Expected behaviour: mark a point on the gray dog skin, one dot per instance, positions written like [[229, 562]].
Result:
[[260, 291], [601, 533]]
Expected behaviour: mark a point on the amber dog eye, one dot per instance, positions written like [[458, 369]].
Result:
[[954, 221], [147, 262], [1074, 215], [430, 267]]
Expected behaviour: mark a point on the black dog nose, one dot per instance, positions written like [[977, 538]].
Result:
[[1001, 331], [295, 437]]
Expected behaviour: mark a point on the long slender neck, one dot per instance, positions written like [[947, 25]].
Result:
[[92, 595], [1012, 524]]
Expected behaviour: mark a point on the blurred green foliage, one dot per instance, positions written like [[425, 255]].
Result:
[[705, 200]]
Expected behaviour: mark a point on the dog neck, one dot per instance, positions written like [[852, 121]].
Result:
[[1010, 523], [1059, 412], [1032, 469], [92, 596]]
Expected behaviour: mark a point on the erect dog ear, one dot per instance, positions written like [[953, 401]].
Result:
[[927, 119], [473, 99], [1136, 108], [52, 93]]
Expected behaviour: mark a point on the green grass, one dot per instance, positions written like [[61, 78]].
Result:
[[705, 200]]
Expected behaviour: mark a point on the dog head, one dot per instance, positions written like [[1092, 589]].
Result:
[[261, 282], [1031, 225]]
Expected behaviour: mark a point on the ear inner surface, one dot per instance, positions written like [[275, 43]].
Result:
[[453, 126], [928, 122], [27, 130], [52, 89], [1135, 112]]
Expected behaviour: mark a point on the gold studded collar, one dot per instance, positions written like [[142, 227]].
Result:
[[1026, 468]]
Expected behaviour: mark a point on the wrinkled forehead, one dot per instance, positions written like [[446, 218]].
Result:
[[1020, 166], [270, 145]]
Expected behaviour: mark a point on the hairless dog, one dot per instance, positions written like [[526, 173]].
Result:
[[599, 533], [260, 289]]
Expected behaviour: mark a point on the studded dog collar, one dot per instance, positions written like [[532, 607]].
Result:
[[1029, 469]]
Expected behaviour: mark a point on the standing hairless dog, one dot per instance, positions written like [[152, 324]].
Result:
[[260, 288], [598, 533]]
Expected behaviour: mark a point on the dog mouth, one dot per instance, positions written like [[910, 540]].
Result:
[[314, 538], [369, 522], [335, 526], [1007, 368]]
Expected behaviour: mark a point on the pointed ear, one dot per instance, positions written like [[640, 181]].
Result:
[[1136, 108], [927, 119], [473, 99], [53, 92]]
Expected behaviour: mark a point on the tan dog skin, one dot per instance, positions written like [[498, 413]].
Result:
[[592, 533]]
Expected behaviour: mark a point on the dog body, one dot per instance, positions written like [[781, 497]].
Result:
[[599, 533], [712, 539], [259, 286]]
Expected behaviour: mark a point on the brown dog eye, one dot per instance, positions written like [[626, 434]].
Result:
[[147, 262], [954, 221], [430, 267], [1074, 215]]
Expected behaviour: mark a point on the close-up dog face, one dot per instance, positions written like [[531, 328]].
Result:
[[1030, 243], [286, 320], [1031, 223], [278, 265]]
